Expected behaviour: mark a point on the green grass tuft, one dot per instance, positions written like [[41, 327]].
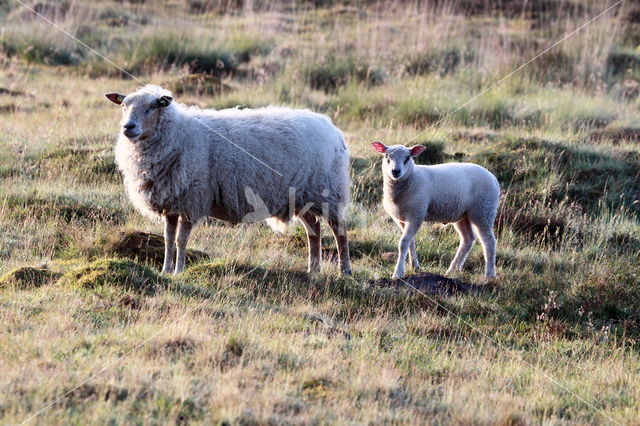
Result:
[[116, 273], [27, 277], [335, 71]]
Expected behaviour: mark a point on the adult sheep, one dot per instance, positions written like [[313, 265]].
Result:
[[184, 164]]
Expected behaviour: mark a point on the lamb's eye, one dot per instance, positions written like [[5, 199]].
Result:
[[406, 160], [152, 107]]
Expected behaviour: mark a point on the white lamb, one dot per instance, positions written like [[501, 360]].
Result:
[[462, 193], [183, 164]]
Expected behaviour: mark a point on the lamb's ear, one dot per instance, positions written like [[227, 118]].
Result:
[[379, 146], [116, 98], [165, 101], [417, 150]]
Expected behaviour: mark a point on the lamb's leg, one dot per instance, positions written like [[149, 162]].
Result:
[[408, 234], [184, 229], [312, 226], [413, 258], [170, 224], [467, 238], [342, 242], [488, 240]]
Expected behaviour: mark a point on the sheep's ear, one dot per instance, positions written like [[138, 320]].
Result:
[[165, 101], [417, 150], [116, 98], [379, 146]]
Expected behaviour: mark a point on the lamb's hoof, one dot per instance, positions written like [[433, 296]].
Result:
[[490, 280], [346, 272]]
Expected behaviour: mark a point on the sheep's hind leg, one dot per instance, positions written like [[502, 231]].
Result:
[[408, 234], [184, 229], [467, 238], [312, 226], [488, 240], [170, 224], [342, 242]]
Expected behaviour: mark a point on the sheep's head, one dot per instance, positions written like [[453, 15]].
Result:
[[141, 110], [398, 160]]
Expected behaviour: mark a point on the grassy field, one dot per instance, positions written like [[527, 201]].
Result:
[[91, 332]]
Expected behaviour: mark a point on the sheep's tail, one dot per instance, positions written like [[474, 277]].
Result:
[[277, 224]]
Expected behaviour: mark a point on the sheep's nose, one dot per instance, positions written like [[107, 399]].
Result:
[[395, 172], [129, 126]]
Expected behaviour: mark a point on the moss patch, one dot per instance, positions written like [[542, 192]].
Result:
[[125, 274], [27, 277]]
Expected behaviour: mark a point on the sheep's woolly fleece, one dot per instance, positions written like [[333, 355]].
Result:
[[461, 193], [187, 165]]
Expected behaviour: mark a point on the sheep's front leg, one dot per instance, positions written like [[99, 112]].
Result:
[[184, 229], [413, 258], [408, 234], [170, 224]]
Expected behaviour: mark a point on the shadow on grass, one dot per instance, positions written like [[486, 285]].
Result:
[[69, 209]]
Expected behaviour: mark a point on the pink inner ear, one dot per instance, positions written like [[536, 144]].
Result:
[[417, 150], [116, 98], [379, 147]]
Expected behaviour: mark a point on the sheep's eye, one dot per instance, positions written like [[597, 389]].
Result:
[[152, 107], [406, 160]]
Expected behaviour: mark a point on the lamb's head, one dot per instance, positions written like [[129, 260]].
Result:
[[141, 110], [398, 160]]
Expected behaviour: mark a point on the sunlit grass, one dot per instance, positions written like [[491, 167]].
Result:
[[245, 335]]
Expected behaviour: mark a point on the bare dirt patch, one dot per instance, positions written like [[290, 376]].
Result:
[[430, 283], [146, 247]]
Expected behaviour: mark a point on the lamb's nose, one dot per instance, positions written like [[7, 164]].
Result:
[[395, 172], [129, 126]]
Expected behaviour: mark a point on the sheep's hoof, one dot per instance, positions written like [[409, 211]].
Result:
[[346, 272]]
